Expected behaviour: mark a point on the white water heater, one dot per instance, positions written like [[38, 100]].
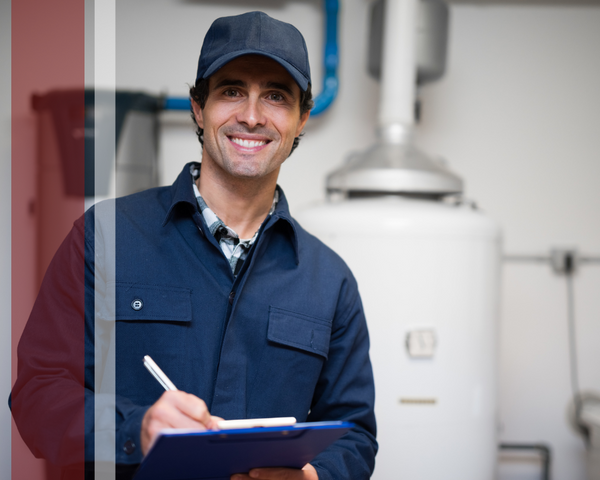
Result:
[[428, 275]]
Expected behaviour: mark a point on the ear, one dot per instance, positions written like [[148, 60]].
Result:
[[303, 120], [198, 114]]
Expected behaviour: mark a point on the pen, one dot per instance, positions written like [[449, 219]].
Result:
[[157, 373], [167, 384]]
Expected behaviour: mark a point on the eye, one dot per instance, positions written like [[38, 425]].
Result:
[[230, 92], [276, 97]]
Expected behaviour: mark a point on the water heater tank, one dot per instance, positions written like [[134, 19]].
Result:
[[428, 273]]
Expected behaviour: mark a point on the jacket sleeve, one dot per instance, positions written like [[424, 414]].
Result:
[[345, 391], [53, 399]]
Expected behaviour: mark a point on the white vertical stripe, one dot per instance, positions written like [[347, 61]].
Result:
[[105, 44], [104, 156], [5, 236]]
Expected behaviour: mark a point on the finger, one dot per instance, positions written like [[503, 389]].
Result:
[[275, 474], [308, 472], [170, 412], [167, 411], [195, 408], [173, 410], [179, 419], [215, 422], [190, 406]]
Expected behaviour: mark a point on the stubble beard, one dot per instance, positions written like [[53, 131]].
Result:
[[236, 164]]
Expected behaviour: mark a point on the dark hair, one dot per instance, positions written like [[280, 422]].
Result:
[[199, 94]]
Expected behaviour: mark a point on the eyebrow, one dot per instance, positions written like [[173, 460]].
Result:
[[229, 82], [281, 86]]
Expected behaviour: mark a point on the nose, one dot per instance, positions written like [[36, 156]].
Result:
[[251, 112]]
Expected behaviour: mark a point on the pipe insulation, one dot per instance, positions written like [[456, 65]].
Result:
[[398, 75], [330, 59]]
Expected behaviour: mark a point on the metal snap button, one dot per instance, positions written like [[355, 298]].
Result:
[[137, 304], [129, 447]]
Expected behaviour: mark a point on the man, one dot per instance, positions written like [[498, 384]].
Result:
[[248, 314]]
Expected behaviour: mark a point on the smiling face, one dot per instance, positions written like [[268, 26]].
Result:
[[250, 119]]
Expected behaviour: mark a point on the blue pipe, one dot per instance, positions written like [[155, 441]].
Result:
[[330, 59], [177, 103], [330, 62]]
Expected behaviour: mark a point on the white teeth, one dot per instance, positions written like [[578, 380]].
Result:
[[248, 143]]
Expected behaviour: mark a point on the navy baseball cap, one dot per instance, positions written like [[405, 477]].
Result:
[[254, 33]]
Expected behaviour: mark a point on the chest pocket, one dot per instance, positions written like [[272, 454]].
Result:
[[151, 320], [309, 334], [290, 366]]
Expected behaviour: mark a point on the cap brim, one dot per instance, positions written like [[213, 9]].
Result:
[[300, 79]]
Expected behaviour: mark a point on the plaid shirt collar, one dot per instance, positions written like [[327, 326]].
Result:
[[234, 248]]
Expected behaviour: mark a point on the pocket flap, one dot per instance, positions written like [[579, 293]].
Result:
[[300, 331], [136, 301]]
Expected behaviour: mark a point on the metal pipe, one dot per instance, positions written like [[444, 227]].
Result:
[[542, 449], [545, 259], [398, 69]]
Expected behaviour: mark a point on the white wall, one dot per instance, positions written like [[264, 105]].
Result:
[[516, 116]]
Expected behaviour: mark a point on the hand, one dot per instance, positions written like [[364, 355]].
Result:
[[308, 472], [175, 409]]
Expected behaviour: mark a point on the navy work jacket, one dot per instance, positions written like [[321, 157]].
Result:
[[286, 337]]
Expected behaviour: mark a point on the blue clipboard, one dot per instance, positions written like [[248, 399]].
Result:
[[216, 455]]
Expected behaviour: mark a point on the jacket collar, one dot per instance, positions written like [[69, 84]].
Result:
[[182, 192]]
